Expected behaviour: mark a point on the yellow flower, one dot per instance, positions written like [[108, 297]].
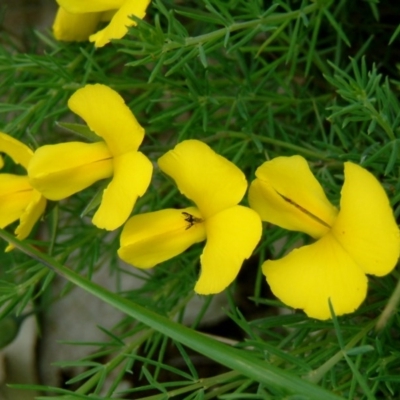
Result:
[[232, 231], [76, 20], [362, 238], [18, 199], [60, 170]]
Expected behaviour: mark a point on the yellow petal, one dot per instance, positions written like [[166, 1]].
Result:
[[232, 235], [74, 27], [287, 194], [151, 238], [210, 180], [29, 217], [106, 16], [311, 275], [20, 153], [118, 27], [15, 195], [86, 6], [107, 115], [60, 170], [132, 175], [365, 226], [10, 183]]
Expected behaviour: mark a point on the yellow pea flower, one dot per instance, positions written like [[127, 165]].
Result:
[[60, 170], [361, 238], [216, 186], [76, 20], [18, 199]]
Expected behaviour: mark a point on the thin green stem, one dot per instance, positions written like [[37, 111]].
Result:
[[111, 365], [390, 307], [268, 140], [316, 375], [384, 124], [220, 33], [202, 383]]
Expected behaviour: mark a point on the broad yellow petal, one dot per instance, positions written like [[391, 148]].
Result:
[[10, 183], [132, 175], [87, 6], [20, 153], [15, 195], [287, 194], [74, 27], [151, 238], [118, 26], [365, 226], [311, 275], [60, 170], [107, 115], [12, 207], [210, 180], [232, 235], [29, 217], [107, 15]]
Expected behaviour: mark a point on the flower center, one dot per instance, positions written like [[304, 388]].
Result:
[[191, 219]]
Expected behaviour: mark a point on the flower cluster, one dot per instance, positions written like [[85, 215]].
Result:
[[358, 239]]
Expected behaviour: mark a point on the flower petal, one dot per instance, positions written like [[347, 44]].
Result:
[[232, 236], [107, 115], [15, 195], [132, 175], [10, 183], [29, 217], [106, 16], [118, 27], [365, 226], [20, 153], [311, 275], [287, 194], [60, 170], [74, 27], [151, 238], [87, 6], [210, 180]]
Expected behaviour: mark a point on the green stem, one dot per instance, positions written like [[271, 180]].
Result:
[[268, 20], [268, 140], [390, 307], [384, 124], [202, 383], [316, 375], [111, 365]]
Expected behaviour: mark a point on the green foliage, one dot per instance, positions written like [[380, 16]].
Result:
[[254, 79]]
